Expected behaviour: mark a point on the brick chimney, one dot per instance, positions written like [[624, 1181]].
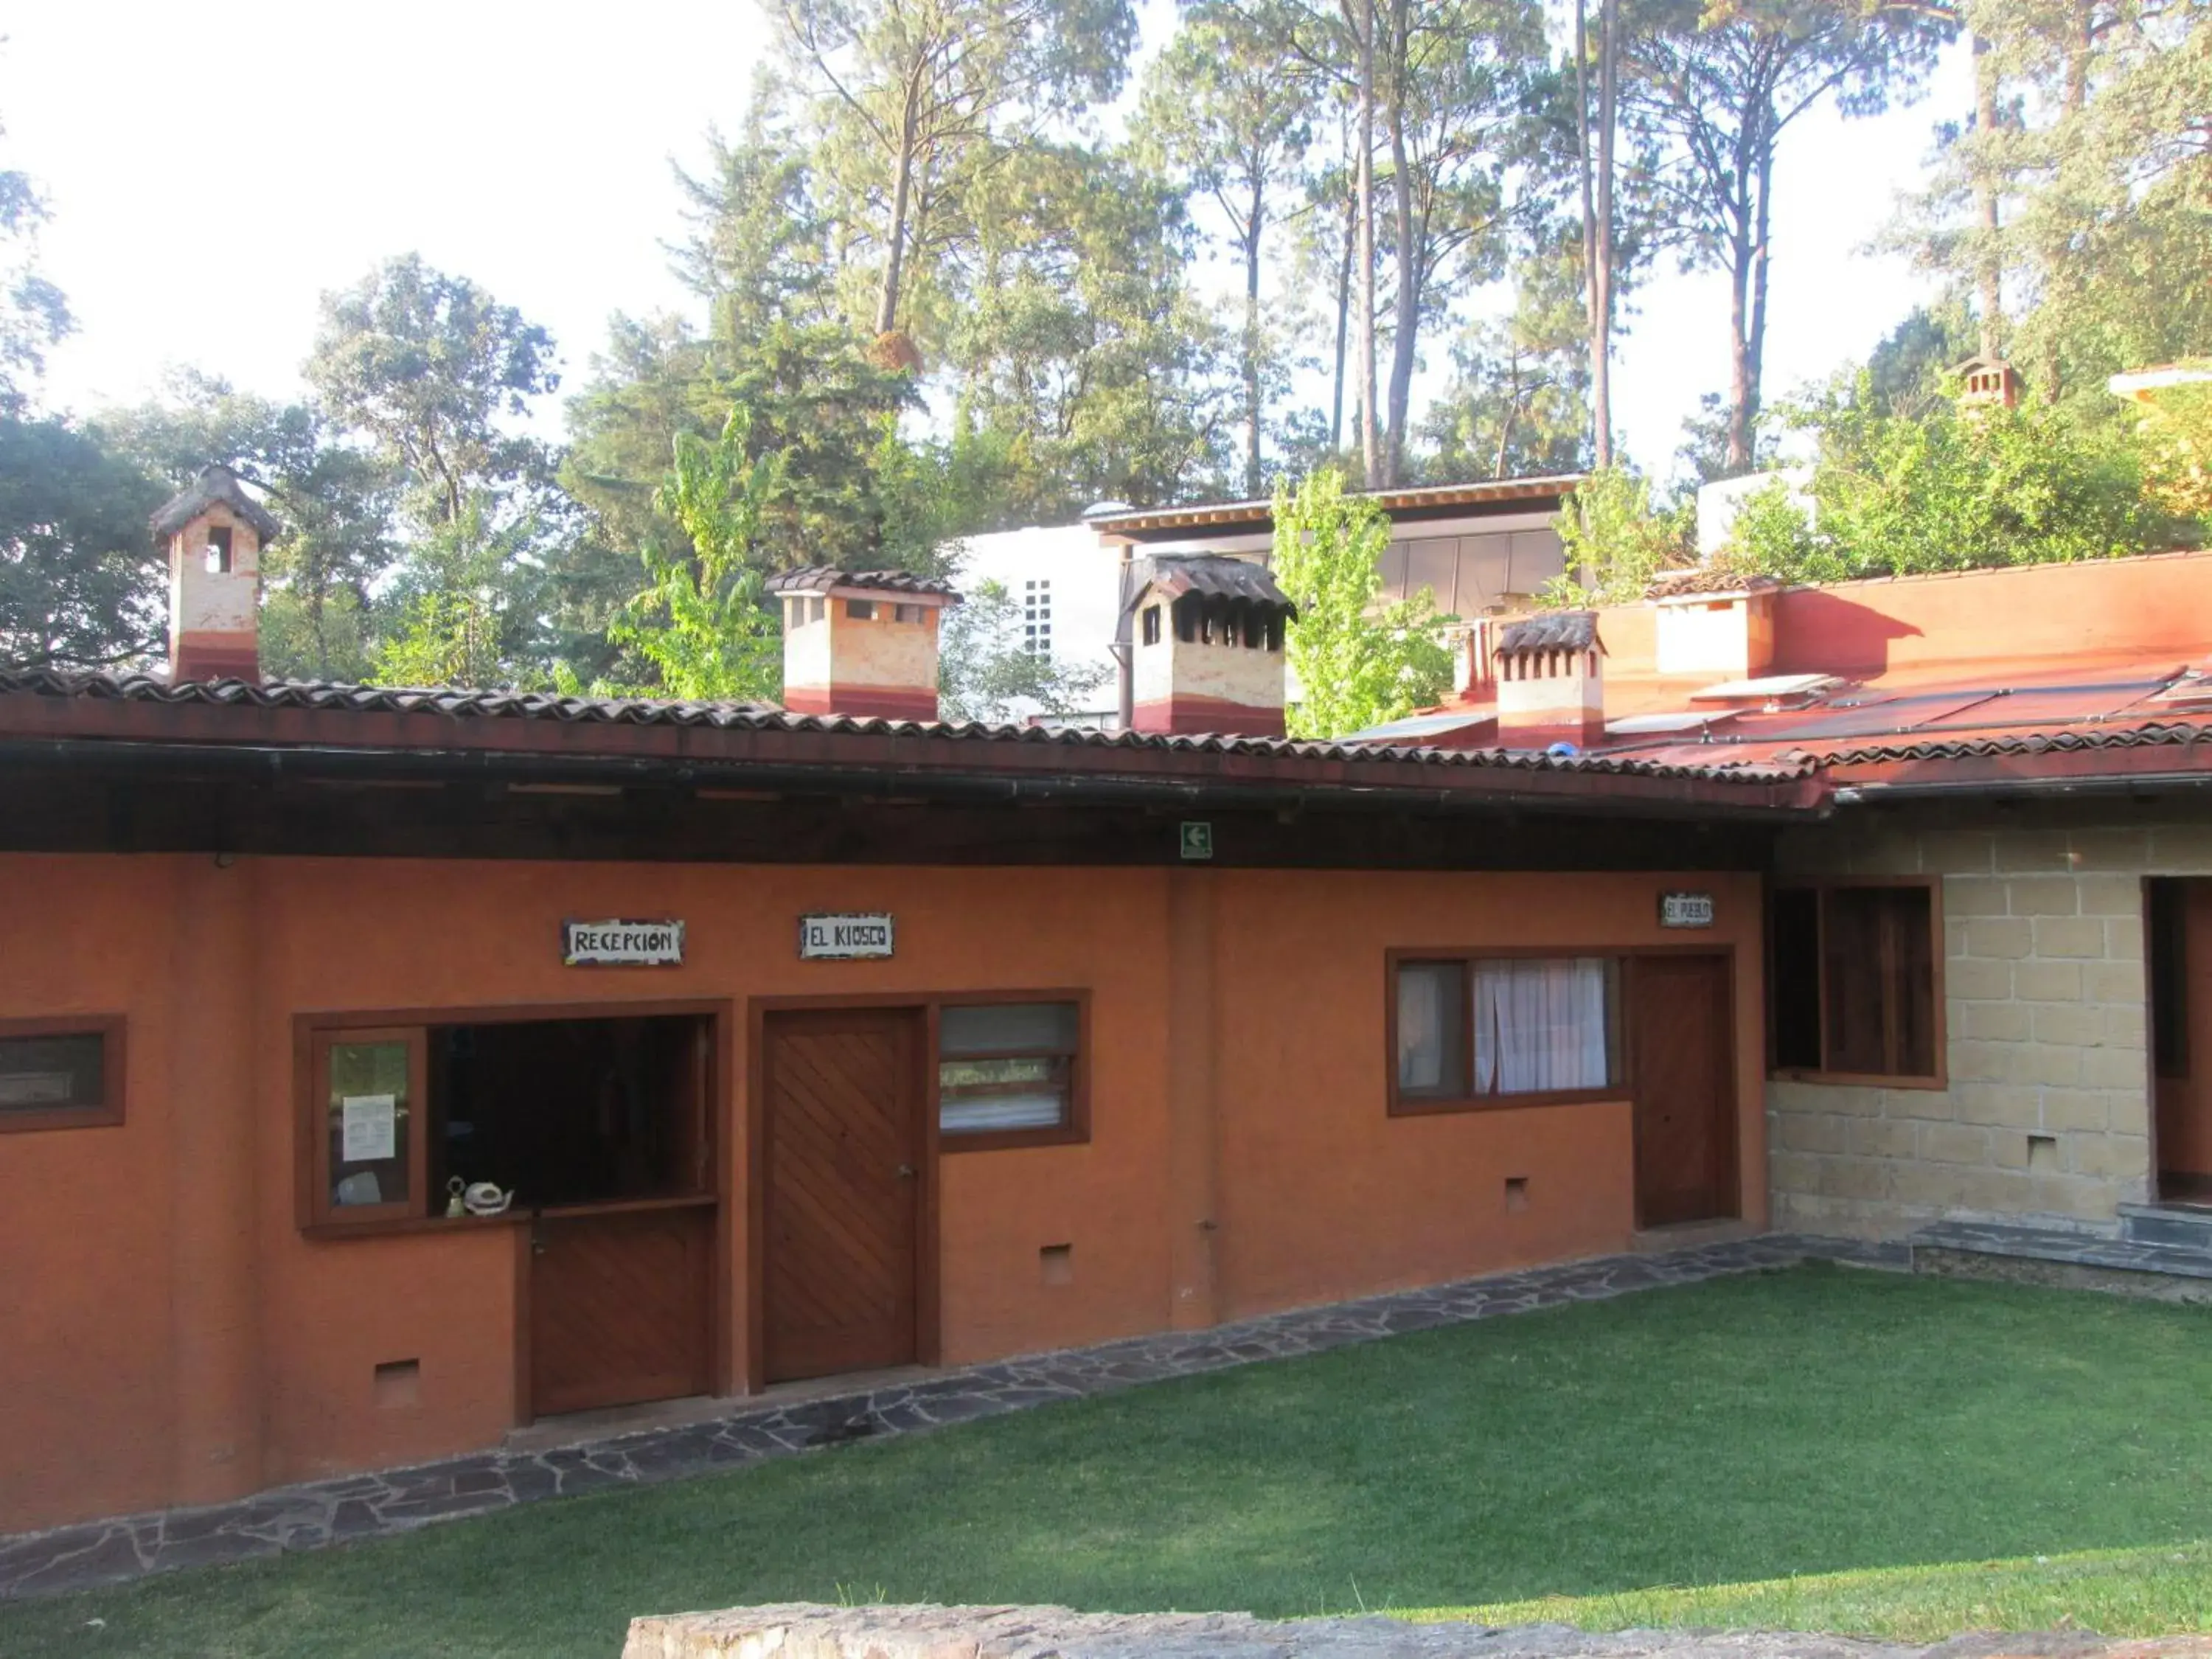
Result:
[[1206, 646], [1551, 681], [215, 532], [860, 643], [1710, 622]]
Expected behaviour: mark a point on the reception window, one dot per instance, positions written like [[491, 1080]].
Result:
[[408, 1121], [61, 1074], [1009, 1074], [1473, 1031]]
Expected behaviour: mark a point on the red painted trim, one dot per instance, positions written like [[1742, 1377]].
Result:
[[1189, 716], [215, 657], [873, 703]]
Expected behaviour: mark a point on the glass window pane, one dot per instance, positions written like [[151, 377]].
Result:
[[369, 1116], [49, 1073], [1008, 1028], [1544, 1024], [976, 1096], [1432, 1028]]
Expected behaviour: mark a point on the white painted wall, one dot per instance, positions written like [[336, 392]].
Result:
[[1072, 586]]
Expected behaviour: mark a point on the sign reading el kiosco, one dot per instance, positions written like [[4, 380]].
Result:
[[841, 937], [622, 944]]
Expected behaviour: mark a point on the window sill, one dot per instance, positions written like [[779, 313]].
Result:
[[1420, 1107], [392, 1227], [1008, 1140], [1857, 1079], [22, 1120]]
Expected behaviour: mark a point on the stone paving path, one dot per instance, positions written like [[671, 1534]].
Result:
[[930, 1633], [379, 1505]]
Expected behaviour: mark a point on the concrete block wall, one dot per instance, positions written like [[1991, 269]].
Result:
[[2047, 1115]]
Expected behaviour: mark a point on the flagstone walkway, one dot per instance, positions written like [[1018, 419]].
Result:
[[377, 1505]]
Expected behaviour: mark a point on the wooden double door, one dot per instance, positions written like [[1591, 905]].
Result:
[[1681, 1067], [841, 1191]]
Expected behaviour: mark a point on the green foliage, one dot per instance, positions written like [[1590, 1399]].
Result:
[[81, 581], [1518, 403], [987, 671], [703, 622], [427, 364], [464, 609], [33, 315], [1358, 664], [2173, 431], [1616, 542], [1954, 490]]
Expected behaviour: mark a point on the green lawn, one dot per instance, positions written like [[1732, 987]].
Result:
[[1822, 1447]]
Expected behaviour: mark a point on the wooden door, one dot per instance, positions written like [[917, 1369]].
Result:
[[1681, 1066], [619, 1308], [841, 1151]]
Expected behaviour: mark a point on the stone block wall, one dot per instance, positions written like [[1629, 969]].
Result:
[[2047, 1115]]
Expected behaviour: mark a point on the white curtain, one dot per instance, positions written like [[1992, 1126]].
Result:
[[1422, 989], [1540, 1025]]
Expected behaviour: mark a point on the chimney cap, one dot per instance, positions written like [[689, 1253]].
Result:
[[1552, 631], [1215, 575], [1703, 582], [215, 484], [825, 578]]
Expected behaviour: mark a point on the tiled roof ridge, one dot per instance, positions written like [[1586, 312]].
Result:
[[2141, 735], [821, 578], [333, 696]]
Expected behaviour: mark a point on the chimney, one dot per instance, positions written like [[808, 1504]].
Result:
[[1206, 646], [860, 643], [1714, 624], [1551, 682], [215, 532]]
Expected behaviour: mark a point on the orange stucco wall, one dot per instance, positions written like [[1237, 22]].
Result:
[[167, 1335]]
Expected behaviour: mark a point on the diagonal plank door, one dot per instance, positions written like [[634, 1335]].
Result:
[[618, 1307], [842, 1148]]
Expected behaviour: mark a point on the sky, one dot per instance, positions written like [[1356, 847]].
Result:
[[212, 171]]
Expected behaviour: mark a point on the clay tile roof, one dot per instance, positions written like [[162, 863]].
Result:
[[1550, 630], [434, 703], [214, 483], [1682, 584], [821, 578], [1217, 575]]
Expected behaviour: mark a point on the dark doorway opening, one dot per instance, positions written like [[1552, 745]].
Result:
[[2179, 917], [566, 1112]]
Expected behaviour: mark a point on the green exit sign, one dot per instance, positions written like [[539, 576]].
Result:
[[1197, 840]]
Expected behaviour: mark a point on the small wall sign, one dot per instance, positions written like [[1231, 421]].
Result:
[[1686, 910], [1197, 840], [622, 944], [844, 937]]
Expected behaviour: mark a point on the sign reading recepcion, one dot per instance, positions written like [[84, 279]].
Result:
[[622, 944], [1686, 910], [842, 939]]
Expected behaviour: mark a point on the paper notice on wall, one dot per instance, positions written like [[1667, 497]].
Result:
[[368, 1129]]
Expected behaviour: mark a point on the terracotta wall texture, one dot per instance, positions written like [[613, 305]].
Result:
[[168, 1335]]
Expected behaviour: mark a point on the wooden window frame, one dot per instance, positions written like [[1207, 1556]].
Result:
[[312, 1033], [113, 1078], [321, 1213], [1939, 1024], [1405, 1105], [1073, 1132]]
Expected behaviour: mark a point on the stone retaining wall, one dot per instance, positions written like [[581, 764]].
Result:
[[2047, 1115]]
